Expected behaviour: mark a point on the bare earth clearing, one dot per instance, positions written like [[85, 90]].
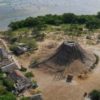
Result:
[[58, 89]]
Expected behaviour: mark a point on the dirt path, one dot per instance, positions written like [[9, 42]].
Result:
[[12, 57], [60, 90]]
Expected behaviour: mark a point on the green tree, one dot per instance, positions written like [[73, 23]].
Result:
[[30, 22], [2, 90], [69, 18], [25, 98], [29, 74], [98, 15], [95, 95], [8, 83], [23, 69], [8, 96], [93, 24], [82, 19]]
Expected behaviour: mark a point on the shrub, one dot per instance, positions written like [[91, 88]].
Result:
[[13, 47], [34, 84], [2, 75], [25, 98], [29, 74], [95, 95], [93, 24], [2, 90], [8, 83], [8, 96], [23, 69], [32, 44]]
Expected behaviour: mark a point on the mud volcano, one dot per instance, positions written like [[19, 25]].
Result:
[[69, 57]]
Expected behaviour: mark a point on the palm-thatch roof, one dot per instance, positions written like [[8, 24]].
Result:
[[69, 56]]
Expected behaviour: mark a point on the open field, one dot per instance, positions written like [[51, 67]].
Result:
[[54, 89], [49, 49], [60, 90]]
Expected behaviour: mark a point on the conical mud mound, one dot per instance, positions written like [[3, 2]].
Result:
[[71, 56], [67, 53]]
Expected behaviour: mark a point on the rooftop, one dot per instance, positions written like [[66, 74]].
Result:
[[69, 43]]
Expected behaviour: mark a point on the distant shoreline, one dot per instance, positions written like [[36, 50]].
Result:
[[3, 29], [11, 10]]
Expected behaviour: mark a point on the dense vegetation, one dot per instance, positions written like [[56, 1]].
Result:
[[6, 86], [29, 74], [95, 95], [8, 96], [90, 21], [23, 35], [25, 98]]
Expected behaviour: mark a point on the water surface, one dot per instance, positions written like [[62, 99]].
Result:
[[11, 10]]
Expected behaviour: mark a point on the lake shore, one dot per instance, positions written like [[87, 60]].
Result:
[[17, 10]]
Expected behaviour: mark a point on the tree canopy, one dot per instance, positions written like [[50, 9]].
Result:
[[91, 21], [8, 96], [95, 95]]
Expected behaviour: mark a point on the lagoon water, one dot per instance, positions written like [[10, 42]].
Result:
[[12, 10]]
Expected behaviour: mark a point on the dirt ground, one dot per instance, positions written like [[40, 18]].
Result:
[[53, 89], [60, 90]]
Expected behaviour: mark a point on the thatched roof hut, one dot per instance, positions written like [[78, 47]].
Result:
[[69, 57], [3, 54]]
